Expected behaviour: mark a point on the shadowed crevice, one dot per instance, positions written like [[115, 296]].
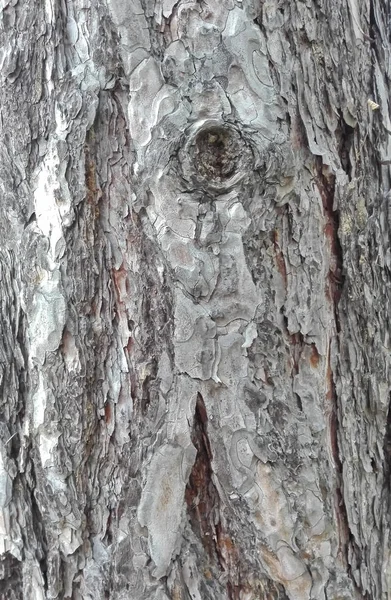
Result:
[[203, 503], [201, 495]]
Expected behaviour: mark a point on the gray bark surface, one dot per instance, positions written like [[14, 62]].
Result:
[[195, 300]]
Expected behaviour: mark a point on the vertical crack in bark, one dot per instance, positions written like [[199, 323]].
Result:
[[326, 186], [279, 257], [345, 145], [340, 506], [296, 346], [346, 537], [201, 494], [203, 501]]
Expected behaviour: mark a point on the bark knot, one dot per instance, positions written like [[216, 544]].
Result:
[[216, 156], [216, 153]]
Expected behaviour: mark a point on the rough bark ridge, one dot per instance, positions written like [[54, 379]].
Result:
[[195, 288]]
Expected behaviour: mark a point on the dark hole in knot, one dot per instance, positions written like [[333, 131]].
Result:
[[216, 153]]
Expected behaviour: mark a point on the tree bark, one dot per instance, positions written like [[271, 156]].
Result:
[[195, 300]]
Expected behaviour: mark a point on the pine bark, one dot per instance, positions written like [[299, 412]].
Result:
[[195, 300]]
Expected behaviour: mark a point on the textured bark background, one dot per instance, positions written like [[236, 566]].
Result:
[[195, 300]]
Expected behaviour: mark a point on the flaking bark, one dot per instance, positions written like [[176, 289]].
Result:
[[195, 289]]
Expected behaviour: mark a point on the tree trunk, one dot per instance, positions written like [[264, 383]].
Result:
[[195, 300]]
